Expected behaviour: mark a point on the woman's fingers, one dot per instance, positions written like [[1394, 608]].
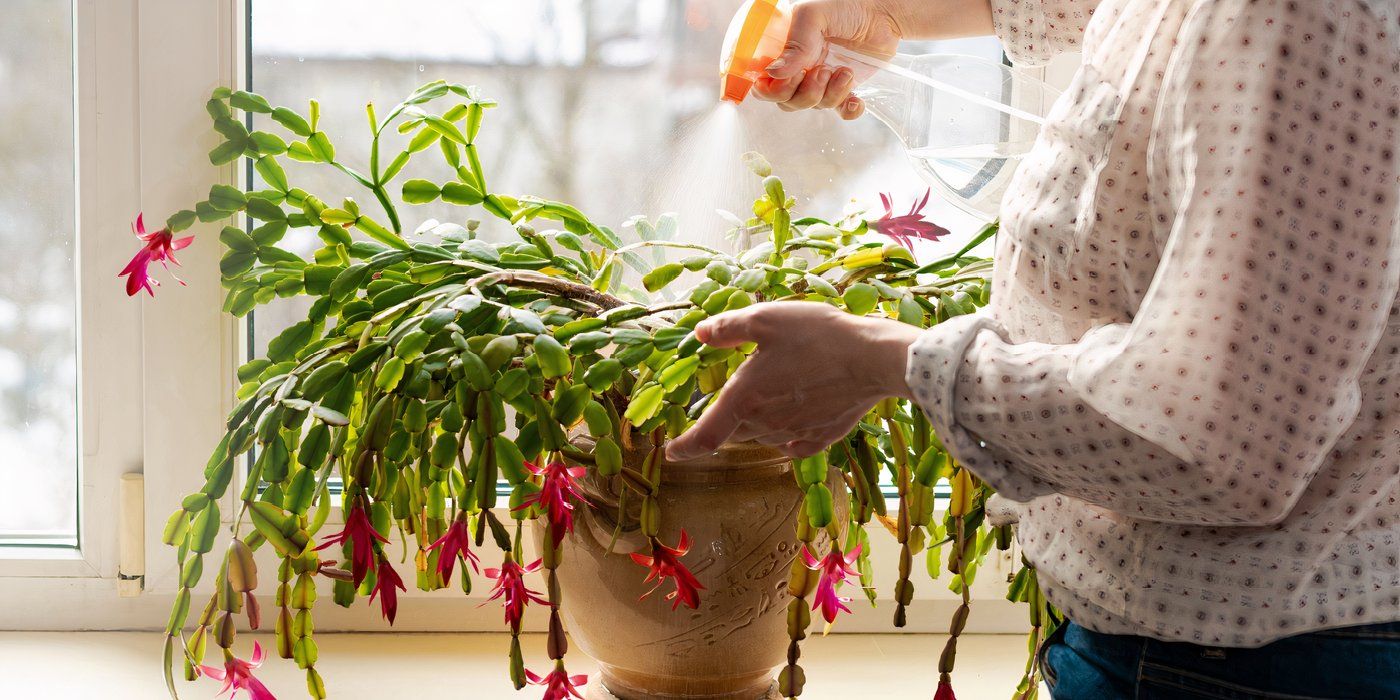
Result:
[[796, 390], [732, 328], [810, 92], [837, 89], [777, 89], [820, 87], [852, 108], [748, 430], [715, 426], [798, 449], [773, 439]]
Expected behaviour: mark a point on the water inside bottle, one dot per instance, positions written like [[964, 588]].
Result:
[[965, 121], [976, 174]]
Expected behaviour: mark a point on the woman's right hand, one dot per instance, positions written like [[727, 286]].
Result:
[[796, 80]]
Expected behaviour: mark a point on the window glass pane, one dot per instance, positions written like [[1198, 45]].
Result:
[[605, 105], [38, 312]]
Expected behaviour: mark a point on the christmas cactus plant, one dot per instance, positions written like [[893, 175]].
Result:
[[436, 370]]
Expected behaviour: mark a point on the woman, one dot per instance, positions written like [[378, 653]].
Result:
[[1187, 385]]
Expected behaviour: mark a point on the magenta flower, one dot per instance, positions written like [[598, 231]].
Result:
[[945, 689], [904, 229], [237, 675], [360, 534], [385, 581], [510, 585], [454, 543], [557, 490], [159, 246], [835, 568], [558, 685], [665, 563]]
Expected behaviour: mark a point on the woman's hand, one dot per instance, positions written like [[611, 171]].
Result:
[[817, 370], [794, 79]]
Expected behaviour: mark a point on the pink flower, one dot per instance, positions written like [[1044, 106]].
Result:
[[665, 563], [835, 568], [454, 543], [510, 585], [945, 689], [237, 675], [903, 229], [558, 685], [557, 490], [385, 581], [360, 534], [159, 246]]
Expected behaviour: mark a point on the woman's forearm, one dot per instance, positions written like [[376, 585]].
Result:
[[940, 19]]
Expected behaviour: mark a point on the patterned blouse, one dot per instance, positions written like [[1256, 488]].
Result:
[[1187, 386]]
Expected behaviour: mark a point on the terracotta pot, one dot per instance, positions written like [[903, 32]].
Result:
[[739, 506]]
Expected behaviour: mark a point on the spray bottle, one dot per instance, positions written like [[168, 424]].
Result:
[[964, 121]]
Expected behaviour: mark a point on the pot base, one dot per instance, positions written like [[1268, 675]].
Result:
[[598, 690]]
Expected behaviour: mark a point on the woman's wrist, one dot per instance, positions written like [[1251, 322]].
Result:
[[884, 349], [937, 19]]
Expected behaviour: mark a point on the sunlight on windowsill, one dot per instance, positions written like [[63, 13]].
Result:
[[124, 665]]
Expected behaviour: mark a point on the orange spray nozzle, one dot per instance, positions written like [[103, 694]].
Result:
[[755, 37], [734, 87]]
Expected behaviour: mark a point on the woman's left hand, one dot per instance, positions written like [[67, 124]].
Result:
[[817, 370]]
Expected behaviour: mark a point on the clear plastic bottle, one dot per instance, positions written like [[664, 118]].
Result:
[[964, 121]]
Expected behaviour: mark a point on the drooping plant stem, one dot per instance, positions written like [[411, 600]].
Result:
[[904, 587], [649, 487], [958, 561], [557, 642], [801, 582]]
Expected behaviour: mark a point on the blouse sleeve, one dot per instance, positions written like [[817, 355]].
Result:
[[1222, 398], [1034, 31]]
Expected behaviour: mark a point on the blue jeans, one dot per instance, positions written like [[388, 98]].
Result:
[[1351, 662]]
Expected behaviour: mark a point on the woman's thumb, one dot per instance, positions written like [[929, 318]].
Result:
[[728, 329], [806, 37]]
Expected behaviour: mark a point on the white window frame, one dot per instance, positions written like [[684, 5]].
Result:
[[154, 373], [157, 374]]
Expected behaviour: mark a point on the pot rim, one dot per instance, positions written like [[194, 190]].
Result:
[[732, 462]]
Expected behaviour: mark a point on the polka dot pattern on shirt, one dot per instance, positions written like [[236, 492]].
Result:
[[1189, 376]]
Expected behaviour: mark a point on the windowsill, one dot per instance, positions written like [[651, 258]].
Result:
[[123, 665]]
